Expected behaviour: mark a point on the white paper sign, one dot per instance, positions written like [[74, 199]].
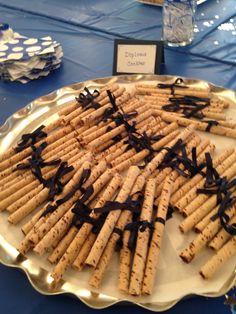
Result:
[[136, 58]]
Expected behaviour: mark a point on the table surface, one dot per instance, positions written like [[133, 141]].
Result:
[[86, 31]]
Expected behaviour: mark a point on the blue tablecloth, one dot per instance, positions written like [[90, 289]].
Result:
[[86, 30]]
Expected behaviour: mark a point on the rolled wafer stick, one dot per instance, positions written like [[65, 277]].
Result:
[[103, 129], [116, 146], [62, 149], [25, 245], [179, 191], [202, 224], [124, 96], [24, 194], [71, 253], [189, 201], [191, 87], [220, 101], [102, 99], [202, 126], [112, 218], [32, 203], [20, 199], [63, 245], [204, 147], [123, 135], [158, 98], [48, 128], [48, 221], [131, 152], [28, 226], [201, 211], [71, 157], [203, 238], [188, 87], [86, 227], [141, 155], [84, 252], [95, 279], [125, 262], [214, 116], [227, 124], [156, 240], [141, 249], [76, 121], [150, 129], [39, 197], [147, 90], [201, 198], [221, 237], [86, 161], [207, 113], [28, 177], [96, 127], [135, 103], [73, 105], [117, 130], [64, 223], [125, 253], [103, 263], [21, 155], [158, 101], [219, 259], [91, 113], [70, 107], [111, 146], [200, 152], [155, 162], [62, 136], [17, 175]]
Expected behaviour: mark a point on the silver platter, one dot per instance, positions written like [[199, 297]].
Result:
[[44, 109]]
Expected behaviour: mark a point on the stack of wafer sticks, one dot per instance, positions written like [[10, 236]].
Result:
[[104, 175], [188, 105]]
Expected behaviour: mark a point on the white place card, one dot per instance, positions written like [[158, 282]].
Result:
[[137, 56]]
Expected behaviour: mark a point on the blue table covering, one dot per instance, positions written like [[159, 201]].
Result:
[[86, 30]]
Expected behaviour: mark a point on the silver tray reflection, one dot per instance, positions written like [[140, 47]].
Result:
[[44, 109]]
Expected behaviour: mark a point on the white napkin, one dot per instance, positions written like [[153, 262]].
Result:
[[23, 59]]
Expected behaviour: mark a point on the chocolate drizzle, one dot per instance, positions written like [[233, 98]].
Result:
[[87, 100], [172, 86], [29, 139]]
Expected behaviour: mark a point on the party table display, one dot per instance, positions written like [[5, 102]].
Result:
[[107, 174]]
